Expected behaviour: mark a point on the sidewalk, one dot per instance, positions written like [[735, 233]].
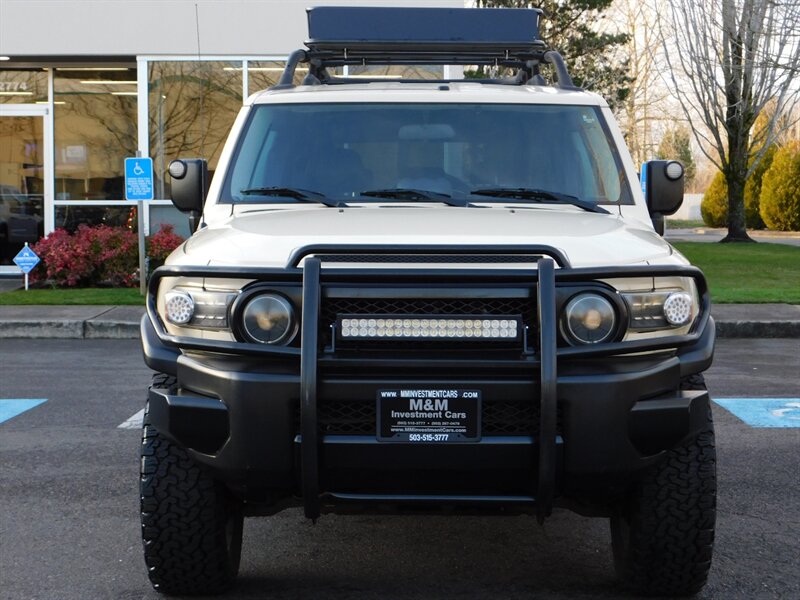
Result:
[[710, 234], [122, 322]]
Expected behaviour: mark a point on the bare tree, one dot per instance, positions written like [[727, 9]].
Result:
[[727, 59], [643, 110]]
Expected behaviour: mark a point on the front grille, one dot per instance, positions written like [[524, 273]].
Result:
[[426, 306], [498, 417]]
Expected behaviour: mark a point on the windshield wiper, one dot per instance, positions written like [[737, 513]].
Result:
[[542, 196], [415, 195], [294, 193]]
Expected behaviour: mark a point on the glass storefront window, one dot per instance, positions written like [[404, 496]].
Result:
[[396, 71], [263, 74], [192, 106], [169, 215], [95, 129], [21, 184], [69, 217], [23, 86]]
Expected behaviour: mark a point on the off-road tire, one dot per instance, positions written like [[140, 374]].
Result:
[[191, 527], [662, 541]]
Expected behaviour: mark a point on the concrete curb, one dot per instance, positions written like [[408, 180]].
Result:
[[42, 329], [758, 329], [112, 330], [119, 330]]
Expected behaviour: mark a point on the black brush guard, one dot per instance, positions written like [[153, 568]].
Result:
[[313, 277]]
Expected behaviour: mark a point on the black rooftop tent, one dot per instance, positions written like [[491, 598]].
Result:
[[506, 37], [451, 29]]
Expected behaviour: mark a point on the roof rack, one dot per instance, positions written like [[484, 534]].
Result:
[[507, 37]]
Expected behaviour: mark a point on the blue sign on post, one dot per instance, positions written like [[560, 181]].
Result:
[[643, 179], [138, 178], [26, 259]]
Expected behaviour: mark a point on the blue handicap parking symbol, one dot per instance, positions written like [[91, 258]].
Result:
[[26, 259], [764, 412], [12, 407], [139, 178]]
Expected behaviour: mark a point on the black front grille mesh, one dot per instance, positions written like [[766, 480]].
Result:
[[426, 306]]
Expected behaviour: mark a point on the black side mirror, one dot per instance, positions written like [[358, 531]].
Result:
[[190, 183], [662, 184]]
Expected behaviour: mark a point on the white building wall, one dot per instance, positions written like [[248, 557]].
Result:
[[95, 28]]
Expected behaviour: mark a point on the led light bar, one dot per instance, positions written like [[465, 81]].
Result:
[[428, 327]]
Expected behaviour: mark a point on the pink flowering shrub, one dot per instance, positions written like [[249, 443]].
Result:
[[92, 256], [161, 244], [99, 256]]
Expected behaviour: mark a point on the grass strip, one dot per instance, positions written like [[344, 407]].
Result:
[[747, 273], [72, 296]]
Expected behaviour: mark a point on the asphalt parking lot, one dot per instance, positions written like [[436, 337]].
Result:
[[69, 524]]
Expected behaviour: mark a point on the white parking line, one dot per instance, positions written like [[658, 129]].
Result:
[[135, 422]]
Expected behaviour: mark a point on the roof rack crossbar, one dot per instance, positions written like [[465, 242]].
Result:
[[425, 36]]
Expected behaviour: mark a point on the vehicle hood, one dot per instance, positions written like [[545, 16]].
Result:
[[268, 237]]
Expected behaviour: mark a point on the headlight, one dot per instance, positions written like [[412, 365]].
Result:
[[660, 310], [588, 318], [198, 308], [678, 309], [179, 307], [269, 319]]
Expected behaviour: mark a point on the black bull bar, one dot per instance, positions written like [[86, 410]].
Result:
[[312, 277]]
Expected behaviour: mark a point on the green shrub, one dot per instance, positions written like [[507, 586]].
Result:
[[780, 191], [714, 207], [752, 190]]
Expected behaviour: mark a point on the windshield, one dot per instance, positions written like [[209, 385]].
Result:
[[340, 151]]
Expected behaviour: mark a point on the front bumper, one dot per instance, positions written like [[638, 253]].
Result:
[[602, 417]]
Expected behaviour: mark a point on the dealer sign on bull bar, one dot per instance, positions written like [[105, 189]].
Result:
[[429, 416]]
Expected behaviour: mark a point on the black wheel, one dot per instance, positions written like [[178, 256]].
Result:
[[191, 526], [662, 541]]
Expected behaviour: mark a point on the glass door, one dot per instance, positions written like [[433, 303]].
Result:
[[22, 180]]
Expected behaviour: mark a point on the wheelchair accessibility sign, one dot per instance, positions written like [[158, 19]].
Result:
[[764, 412], [138, 178]]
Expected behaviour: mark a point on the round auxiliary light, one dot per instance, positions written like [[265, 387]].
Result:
[[678, 308], [589, 319], [269, 319], [179, 307], [673, 170]]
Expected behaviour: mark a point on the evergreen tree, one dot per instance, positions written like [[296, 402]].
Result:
[[677, 145], [569, 27], [780, 190]]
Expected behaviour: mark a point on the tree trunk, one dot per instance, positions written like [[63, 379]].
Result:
[[737, 232], [736, 171]]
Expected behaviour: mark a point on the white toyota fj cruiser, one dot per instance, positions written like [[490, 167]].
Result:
[[429, 294]]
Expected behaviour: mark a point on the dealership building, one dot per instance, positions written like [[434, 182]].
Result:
[[85, 84]]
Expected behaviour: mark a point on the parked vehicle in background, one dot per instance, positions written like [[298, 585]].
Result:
[[20, 221]]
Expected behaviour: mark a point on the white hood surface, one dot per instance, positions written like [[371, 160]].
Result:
[[261, 236]]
